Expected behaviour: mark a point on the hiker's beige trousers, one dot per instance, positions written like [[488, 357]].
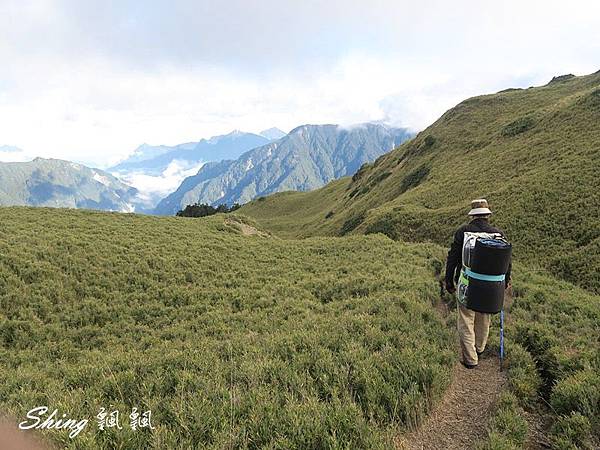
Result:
[[473, 330]]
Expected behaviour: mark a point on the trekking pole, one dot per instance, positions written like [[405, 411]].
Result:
[[501, 339]]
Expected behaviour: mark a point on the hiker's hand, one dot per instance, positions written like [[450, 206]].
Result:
[[450, 287], [508, 286]]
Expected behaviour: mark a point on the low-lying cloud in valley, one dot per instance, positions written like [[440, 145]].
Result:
[[152, 188]]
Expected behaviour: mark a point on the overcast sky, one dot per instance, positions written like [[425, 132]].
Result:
[[90, 80]]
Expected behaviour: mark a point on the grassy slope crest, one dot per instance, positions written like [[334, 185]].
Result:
[[534, 153]]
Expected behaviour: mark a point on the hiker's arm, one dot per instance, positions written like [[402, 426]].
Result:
[[508, 275], [509, 271], [454, 258]]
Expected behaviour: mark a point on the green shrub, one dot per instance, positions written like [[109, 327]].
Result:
[[592, 101], [204, 210], [579, 392], [414, 178], [518, 126], [351, 224], [523, 378], [571, 432], [497, 441], [554, 326], [378, 178], [429, 141], [507, 428], [538, 339], [361, 171], [580, 265]]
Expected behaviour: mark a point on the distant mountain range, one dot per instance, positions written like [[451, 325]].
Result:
[[154, 160], [236, 167], [58, 183], [307, 158], [272, 134], [158, 170]]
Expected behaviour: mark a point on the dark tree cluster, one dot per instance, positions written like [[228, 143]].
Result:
[[203, 210]]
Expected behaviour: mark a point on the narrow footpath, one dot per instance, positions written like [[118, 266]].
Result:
[[459, 420]]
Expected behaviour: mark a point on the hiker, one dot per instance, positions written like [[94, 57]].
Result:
[[473, 327]]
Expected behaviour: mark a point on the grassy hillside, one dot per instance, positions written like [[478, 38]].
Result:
[[299, 214], [231, 341], [236, 341], [533, 153]]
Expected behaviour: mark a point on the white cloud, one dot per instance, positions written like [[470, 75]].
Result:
[[13, 154], [153, 188], [91, 80]]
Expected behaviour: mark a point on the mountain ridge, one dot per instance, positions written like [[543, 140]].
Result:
[[306, 158], [216, 148], [158, 170], [273, 133], [59, 183]]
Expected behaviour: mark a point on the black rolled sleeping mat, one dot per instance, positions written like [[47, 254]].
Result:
[[491, 256], [485, 296]]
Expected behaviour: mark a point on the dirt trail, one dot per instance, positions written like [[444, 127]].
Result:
[[245, 229], [459, 420], [11, 438]]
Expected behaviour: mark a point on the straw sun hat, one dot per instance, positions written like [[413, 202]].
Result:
[[479, 207]]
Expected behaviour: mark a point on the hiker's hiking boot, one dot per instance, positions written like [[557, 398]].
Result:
[[483, 354], [468, 366]]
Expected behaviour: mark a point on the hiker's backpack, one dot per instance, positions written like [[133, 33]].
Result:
[[485, 261]]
